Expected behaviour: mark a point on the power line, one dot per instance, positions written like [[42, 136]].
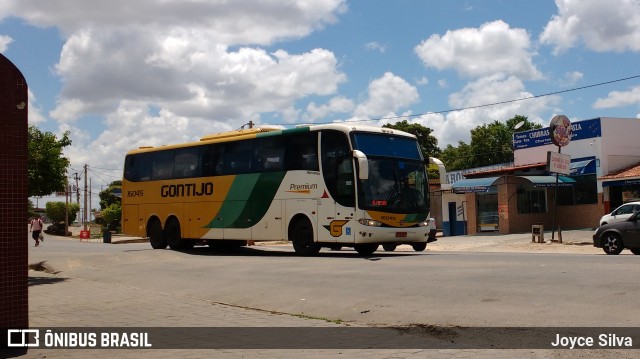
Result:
[[481, 106]]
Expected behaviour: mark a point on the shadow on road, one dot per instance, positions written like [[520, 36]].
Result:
[[44, 280], [264, 252]]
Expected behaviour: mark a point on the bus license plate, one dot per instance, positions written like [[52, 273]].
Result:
[[401, 234]]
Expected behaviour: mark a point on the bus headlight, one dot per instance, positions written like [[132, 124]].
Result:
[[429, 222], [369, 222]]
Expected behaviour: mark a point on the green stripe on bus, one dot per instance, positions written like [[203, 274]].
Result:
[[248, 199], [416, 217], [283, 132]]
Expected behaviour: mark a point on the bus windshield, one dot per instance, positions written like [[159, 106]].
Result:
[[397, 179]]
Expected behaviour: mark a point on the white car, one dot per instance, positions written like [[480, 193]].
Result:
[[621, 213]]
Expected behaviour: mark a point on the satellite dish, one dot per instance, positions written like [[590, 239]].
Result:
[[518, 125]]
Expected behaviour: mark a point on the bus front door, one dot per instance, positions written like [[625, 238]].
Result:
[[335, 222]]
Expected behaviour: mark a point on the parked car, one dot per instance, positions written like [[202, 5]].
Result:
[[614, 237], [621, 213]]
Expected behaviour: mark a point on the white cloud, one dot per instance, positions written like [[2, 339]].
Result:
[[35, 111], [422, 81], [4, 42], [198, 64], [386, 95], [335, 105], [375, 46], [488, 90], [571, 78], [230, 22], [619, 99], [492, 48], [612, 25]]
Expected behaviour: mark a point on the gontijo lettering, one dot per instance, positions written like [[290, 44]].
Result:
[[187, 190]]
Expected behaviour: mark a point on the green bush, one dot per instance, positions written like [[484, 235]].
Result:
[[112, 215], [55, 211]]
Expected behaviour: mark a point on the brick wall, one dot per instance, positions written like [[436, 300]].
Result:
[[510, 221], [13, 199]]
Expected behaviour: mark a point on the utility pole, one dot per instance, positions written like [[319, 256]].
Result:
[[86, 186], [66, 205], [90, 206], [77, 178]]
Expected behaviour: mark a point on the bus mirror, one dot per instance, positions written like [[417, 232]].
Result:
[[363, 164]]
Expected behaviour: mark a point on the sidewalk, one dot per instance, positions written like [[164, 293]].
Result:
[[577, 241]]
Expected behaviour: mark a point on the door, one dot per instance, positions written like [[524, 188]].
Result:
[[453, 219]]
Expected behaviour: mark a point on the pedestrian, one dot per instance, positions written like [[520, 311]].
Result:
[[36, 230]]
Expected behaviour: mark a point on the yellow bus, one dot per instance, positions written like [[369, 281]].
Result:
[[316, 186]]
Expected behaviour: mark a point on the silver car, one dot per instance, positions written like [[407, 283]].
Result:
[[621, 213]]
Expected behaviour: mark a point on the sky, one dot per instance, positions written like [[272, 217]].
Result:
[[121, 74]]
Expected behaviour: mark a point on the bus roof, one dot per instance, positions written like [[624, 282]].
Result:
[[241, 134]]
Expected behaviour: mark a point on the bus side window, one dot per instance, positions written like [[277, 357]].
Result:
[[302, 151], [162, 165], [237, 157], [212, 160], [137, 167], [186, 163], [268, 154], [337, 167]]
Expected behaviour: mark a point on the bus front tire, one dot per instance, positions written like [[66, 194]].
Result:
[[156, 236], [365, 249], [302, 238]]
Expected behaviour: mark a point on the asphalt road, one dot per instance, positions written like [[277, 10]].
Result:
[[388, 288]]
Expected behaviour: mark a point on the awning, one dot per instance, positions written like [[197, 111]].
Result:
[[486, 184], [468, 185], [583, 167], [549, 181], [621, 182]]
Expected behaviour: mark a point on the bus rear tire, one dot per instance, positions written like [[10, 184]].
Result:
[[302, 238], [156, 236], [389, 247], [419, 247], [174, 239], [365, 249]]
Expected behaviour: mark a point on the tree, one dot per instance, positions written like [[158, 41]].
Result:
[[490, 144], [457, 158], [107, 197], [46, 167]]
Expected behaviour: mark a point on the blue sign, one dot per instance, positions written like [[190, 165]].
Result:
[[541, 137]]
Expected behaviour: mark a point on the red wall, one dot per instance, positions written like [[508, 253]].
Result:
[[13, 199]]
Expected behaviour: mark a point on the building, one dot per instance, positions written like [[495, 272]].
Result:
[[603, 173]]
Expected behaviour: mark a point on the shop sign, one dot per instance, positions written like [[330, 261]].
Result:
[[558, 163], [579, 131], [560, 130]]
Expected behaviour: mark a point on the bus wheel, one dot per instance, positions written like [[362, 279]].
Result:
[[389, 247], [172, 234], [419, 247], [302, 238], [156, 237], [365, 249]]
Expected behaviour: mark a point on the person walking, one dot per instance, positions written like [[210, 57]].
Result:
[[36, 230]]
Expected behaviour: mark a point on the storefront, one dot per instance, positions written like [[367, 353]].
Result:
[[510, 198]]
